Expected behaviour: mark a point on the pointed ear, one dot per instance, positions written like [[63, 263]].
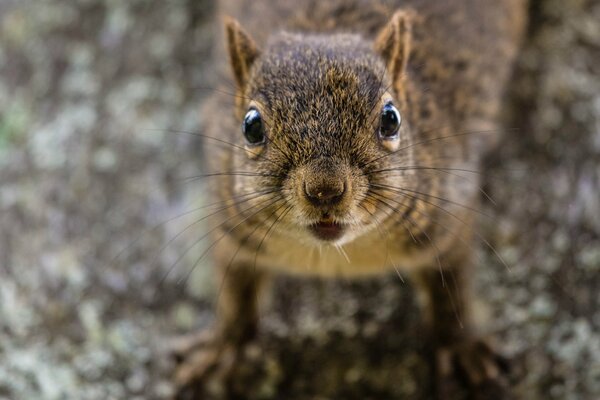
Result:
[[394, 44], [242, 51]]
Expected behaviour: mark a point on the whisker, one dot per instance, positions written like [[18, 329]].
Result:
[[480, 237], [477, 186], [228, 173], [181, 232], [269, 230], [462, 240], [242, 243], [401, 190], [342, 252], [162, 223], [398, 272], [204, 136], [453, 304], [436, 139], [422, 167], [188, 249], [214, 243], [387, 247], [437, 251]]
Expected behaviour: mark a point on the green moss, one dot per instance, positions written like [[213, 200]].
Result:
[[13, 124]]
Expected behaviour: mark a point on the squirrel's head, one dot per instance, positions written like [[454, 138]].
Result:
[[320, 116]]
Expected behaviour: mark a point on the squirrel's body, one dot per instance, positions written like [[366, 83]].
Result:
[[461, 57], [321, 184]]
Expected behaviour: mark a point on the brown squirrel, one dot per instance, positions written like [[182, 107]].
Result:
[[352, 126]]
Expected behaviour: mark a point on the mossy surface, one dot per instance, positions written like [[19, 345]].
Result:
[[91, 94]]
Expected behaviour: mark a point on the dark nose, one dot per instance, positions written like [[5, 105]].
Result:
[[324, 193]]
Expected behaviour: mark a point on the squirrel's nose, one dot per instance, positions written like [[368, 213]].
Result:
[[324, 193]]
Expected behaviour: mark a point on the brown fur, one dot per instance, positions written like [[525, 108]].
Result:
[[320, 79]]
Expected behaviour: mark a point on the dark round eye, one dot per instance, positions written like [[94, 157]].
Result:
[[390, 122], [252, 127]]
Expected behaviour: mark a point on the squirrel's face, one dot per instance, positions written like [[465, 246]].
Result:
[[318, 115]]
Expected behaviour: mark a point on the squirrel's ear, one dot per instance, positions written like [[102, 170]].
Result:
[[242, 51], [394, 43]]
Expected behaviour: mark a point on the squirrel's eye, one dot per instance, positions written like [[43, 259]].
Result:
[[252, 128], [390, 122]]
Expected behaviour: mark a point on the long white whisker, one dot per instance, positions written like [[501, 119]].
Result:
[[342, 251]]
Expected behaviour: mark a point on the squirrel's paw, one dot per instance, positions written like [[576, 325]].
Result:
[[205, 364], [208, 366], [473, 366]]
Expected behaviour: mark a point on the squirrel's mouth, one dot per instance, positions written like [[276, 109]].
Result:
[[327, 229]]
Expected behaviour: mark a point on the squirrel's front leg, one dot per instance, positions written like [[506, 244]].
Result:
[[208, 360], [464, 361]]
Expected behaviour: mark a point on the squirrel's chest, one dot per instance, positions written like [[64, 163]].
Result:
[[365, 256]]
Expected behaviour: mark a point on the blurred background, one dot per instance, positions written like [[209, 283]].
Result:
[[97, 100]]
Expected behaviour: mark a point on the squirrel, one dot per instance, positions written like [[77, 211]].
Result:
[[352, 148]]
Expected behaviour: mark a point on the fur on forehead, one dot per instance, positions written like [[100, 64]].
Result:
[[300, 62]]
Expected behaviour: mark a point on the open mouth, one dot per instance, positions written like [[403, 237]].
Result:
[[328, 230]]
